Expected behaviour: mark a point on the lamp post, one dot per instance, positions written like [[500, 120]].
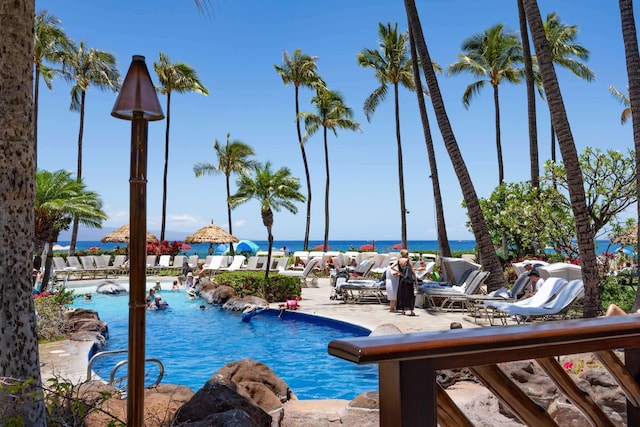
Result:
[[138, 102]]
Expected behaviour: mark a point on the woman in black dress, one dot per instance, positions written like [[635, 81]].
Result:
[[406, 296]]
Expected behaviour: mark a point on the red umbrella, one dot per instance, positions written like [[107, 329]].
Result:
[[186, 247], [322, 248], [397, 246], [367, 247]]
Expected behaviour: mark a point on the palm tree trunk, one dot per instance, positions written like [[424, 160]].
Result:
[[403, 207], [231, 251], [487, 253], [560, 122], [74, 232], [306, 173], [531, 97], [326, 191], [630, 38], [267, 221], [47, 267], [19, 358], [496, 105], [36, 95], [443, 241], [166, 168]]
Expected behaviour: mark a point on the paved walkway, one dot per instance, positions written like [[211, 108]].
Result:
[[69, 359]]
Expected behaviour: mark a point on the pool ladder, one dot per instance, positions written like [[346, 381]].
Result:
[[112, 377]]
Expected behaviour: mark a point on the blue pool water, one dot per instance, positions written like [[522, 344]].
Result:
[[193, 344]]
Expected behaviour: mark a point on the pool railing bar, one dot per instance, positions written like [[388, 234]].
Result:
[[408, 365], [112, 376]]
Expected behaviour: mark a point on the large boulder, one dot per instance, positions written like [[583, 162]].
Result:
[[239, 304], [216, 294], [85, 325], [218, 403], [110, 287]]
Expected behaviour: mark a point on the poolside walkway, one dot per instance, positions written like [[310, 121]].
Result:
[[68, 359]]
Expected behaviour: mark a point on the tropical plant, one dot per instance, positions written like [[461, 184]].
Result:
[[333, 114], [85, 67], [443, 241], [174, 77], [59, 199], [575, 183], [624, 100], [19, 361], [567, 53], [273, 191], [49, 41], [494, 57], [392, 66], [487, 253], [300, 70], [234, 157]]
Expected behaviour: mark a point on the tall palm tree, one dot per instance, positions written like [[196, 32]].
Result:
[[274, 191], [493, 56], [444, 249], [392, 66], [531, 98], [85, 67], [333, 114], [624, 100], [567, 53], [233, 157], [488, 256], [300, 70], [19, 358], [174, 77], [60, 199], [630, 38], [560, 122], [49, 41]]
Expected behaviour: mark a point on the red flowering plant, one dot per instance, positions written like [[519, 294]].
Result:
[[164, 248]]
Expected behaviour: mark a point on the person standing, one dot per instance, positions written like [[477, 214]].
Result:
[[406, 292], [392, 276]]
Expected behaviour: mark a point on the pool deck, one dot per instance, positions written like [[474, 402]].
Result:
[[68, 360]]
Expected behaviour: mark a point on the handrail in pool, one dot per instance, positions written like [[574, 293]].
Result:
[[122, 363]]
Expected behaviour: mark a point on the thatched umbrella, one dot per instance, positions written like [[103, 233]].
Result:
[[627, 237], [122, 234], [210, 234]]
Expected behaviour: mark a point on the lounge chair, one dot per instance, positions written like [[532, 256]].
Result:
[[178, 260], [359, 291], [476, 302], [236, 264], [548, 291], [62, 270], [103, 265], [447, 298], [75, 264], [193, 261], [305, 274], [280, 264], [556, 307], [214, 264], [164, 262]]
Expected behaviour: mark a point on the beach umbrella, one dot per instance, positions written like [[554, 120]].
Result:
[[246, 246], [627, 237], [222, 248], [397, 246], [321, 247], [186, 247], [367, 247], [60, 248], [122, 234]]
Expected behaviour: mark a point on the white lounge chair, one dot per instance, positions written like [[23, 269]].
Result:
[[164, 262], [214, 264], [236, 264], [448, 297], [305, 274]]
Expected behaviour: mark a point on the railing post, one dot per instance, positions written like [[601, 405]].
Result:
[[407, 393], [632, 362]]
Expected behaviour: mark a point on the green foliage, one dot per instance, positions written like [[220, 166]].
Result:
[[275, 288], [50, 310], [613, 292]]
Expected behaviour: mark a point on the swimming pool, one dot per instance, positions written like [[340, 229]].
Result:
[[193, 344]]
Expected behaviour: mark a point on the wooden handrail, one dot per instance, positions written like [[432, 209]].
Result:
[[408, 362]]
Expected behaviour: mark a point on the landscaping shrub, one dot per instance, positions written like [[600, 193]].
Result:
[[612, 292], [275, 288], [50, 309]]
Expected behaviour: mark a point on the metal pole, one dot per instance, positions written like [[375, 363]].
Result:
[[138, 266]]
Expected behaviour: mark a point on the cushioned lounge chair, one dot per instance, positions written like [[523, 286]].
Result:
[[305, 275], [447, 298]]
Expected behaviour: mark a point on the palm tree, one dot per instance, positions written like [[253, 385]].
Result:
[[60, 199], [49, 41], [560, 122], [443, 241], [632, 56], [566, 53], [531, 97], [181, 78], [333, 114], [86, 67], [493, 56], [392, 65], [624, 100], [232, 158], [273, 190], [301, 70], [19, 358], [488, 256]]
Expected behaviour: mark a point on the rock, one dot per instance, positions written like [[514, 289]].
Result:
[[246, 373], [317, 413], [217, 294], [385, 329], [217, 404], [85, 325], [110, 287], [239, 304]]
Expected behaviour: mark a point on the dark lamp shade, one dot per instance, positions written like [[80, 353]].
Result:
[[137, 94]]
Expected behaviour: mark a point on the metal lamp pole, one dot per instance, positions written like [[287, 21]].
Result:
[[138, 102]]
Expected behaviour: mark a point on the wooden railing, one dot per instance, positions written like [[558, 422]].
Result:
[[408, 363]]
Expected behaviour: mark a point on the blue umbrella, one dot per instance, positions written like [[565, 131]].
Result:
[[222, 248], [246, 246]]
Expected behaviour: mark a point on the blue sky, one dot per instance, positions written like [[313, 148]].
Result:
[[234, 51]]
